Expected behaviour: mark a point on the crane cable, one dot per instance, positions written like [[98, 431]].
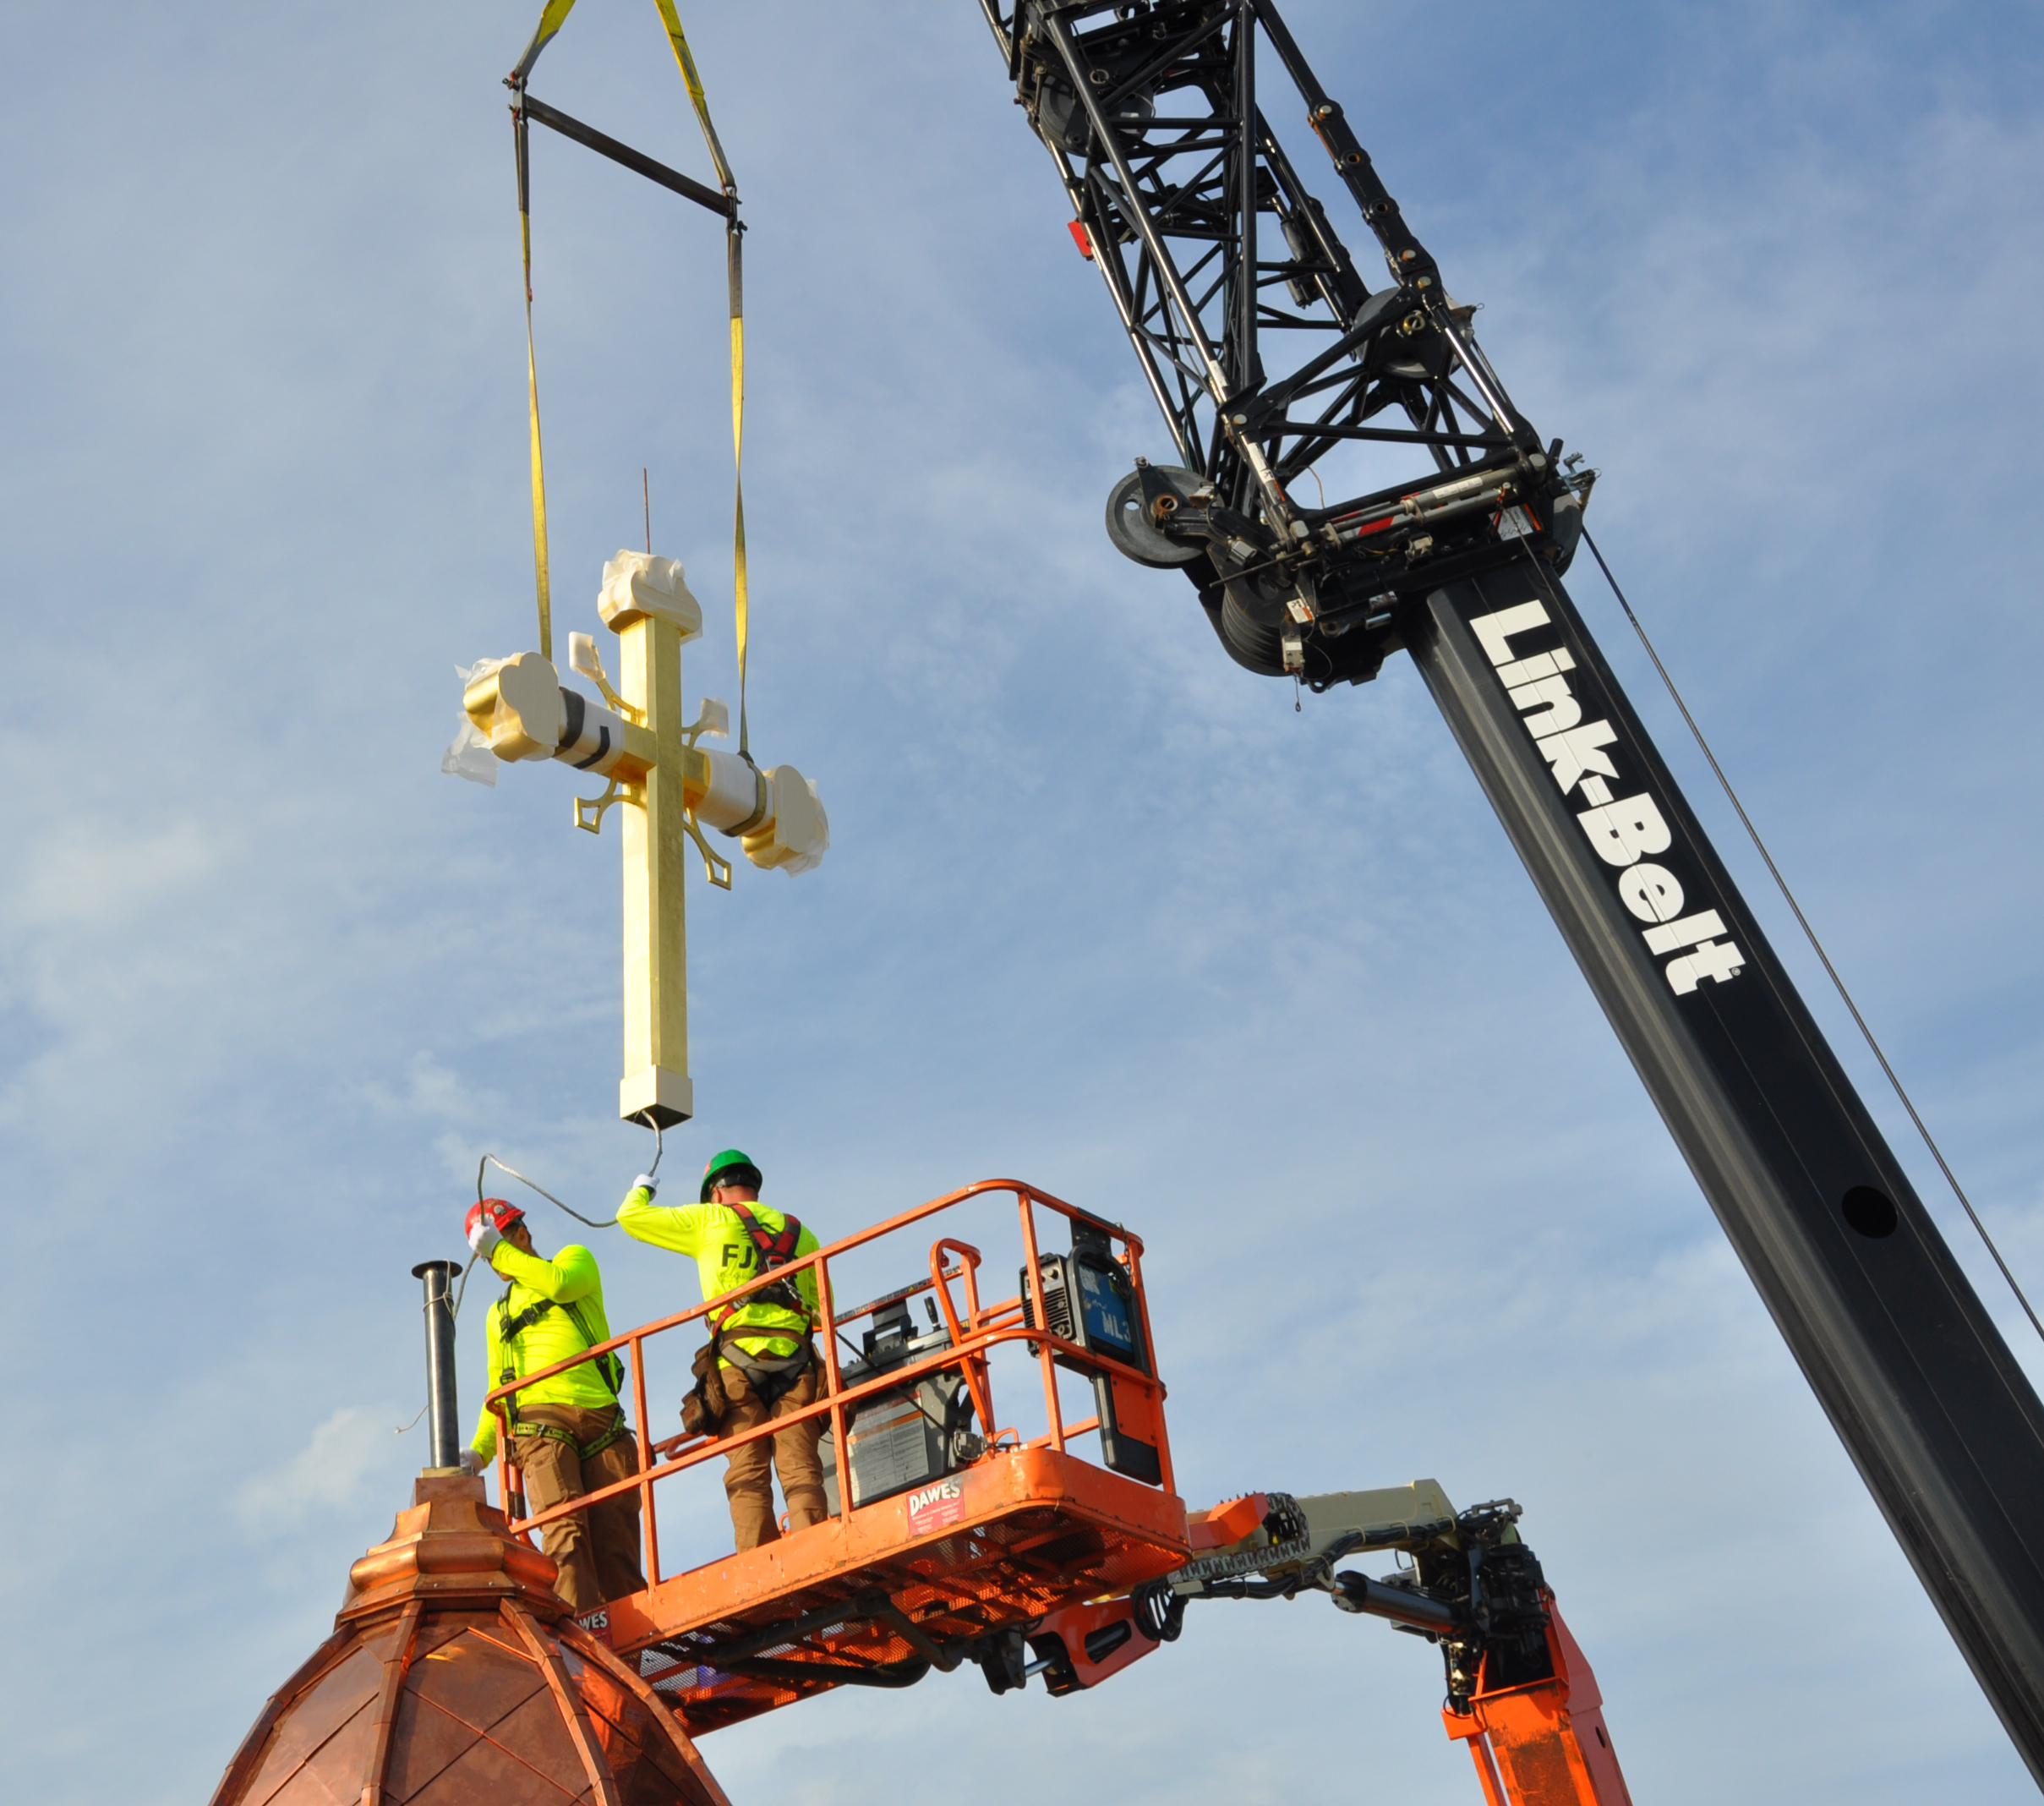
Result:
[[551, 19], [1810, 934]]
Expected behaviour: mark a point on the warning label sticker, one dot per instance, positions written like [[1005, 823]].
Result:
[[935, 1507]]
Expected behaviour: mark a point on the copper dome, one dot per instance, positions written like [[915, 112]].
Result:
[[455, 1674]]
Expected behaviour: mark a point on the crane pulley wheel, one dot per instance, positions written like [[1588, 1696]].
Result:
[[1135, 536]]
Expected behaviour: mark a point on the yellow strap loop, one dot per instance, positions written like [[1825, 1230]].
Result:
[[735, 260], [740, 601], [551, 20], [672, 20], [552, 17], [532, 396]]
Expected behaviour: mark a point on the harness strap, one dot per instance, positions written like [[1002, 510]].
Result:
[[772, 1380], [775, 1250], [784, 1296], [609, 1369], [751, 1364], [584, 1451], [513, 1327]]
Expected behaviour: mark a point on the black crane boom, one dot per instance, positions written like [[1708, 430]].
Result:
[[1273, 361]]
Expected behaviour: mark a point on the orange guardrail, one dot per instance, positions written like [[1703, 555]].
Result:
[[974, 1335]]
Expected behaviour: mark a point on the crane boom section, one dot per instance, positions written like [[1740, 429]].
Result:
[[1214, 255]]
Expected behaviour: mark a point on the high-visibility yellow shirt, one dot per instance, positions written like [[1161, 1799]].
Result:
[[570, 1278], [726, 1255]]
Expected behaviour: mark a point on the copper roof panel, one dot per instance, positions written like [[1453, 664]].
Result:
[[536, 1735], [427, 1740], [332, 1776], [485, 1772], [475, 1679], [319, 1712]]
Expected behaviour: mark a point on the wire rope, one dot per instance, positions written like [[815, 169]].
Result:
[[1810, 934], [659, 1147]]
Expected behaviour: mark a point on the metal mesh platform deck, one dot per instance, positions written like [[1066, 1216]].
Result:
[[903, 1585]]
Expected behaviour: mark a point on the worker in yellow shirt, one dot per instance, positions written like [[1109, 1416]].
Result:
[[568, 1433], [765, 1364]]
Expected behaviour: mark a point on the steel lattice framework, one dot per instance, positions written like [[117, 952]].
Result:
[[1263, 343]]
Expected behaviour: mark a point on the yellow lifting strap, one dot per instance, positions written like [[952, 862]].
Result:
[[531, 394], [551, 20], [734, 262]]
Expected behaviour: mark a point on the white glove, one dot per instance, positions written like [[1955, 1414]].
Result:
[[483, 1238], [473, 1462], [646, 1180]]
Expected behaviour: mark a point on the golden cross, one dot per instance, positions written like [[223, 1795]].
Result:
[[670, 788]]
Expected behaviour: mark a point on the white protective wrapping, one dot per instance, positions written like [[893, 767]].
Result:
[[581, 657], [799, 836], [526, 716], [642, 584], [468, 755], [734, 793]]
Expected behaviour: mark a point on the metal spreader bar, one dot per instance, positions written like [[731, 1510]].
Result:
[[537, 109]]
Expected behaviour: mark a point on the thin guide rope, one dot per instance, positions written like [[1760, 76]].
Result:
[[1810, 934]]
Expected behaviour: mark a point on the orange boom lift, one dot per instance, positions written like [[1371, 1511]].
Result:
[[1057, 1547]]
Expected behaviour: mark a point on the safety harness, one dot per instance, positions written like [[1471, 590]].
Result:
[[769, 1378], [608, 1368], [774, 1251]]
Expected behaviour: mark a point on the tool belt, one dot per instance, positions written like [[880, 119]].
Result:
[[583, 1451], [770, 1377]]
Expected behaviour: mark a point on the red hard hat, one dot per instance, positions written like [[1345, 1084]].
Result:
[[501, 1211]]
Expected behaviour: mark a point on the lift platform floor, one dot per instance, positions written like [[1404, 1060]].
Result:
[[899, 1587]]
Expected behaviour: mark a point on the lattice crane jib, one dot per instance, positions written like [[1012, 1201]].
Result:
[[1274, 355]]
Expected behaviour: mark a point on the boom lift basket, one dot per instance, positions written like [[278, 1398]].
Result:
[[950, 1536]]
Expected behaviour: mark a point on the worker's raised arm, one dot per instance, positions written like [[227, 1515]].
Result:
[[681, 1227], [569, 1275], [484, 1441]]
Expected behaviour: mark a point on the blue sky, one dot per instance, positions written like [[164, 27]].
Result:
[[1102, 911]]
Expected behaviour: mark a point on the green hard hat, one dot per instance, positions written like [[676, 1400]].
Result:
[[733, 1167]]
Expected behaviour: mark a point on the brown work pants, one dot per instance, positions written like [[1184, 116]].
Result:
[[748, 1483], [596, 1551]]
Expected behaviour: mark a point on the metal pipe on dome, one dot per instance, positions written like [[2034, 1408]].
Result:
[[443, 1409]]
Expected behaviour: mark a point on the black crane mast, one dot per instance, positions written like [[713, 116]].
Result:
[[1269, 354]]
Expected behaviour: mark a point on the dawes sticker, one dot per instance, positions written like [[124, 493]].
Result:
[[932, 1507], [1626, 831]]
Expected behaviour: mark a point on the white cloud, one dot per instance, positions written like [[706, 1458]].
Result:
[[328, 1474]]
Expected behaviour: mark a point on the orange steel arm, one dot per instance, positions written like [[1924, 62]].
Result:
[[1544, 1742]]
